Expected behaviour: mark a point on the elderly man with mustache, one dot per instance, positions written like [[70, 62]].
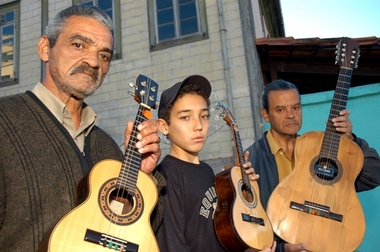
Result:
[[48, 137]]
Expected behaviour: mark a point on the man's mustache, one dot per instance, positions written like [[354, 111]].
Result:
[[292, 121], [87, 69]]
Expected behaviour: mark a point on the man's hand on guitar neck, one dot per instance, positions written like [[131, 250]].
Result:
[[343, 124], [248, 167], [148, 144]]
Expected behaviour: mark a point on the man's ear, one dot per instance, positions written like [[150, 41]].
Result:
[[43, 48], [162, 126], [265, 114]]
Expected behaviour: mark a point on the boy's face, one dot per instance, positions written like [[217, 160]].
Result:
[[189, 124]]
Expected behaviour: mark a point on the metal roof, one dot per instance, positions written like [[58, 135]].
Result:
[[310, 63]]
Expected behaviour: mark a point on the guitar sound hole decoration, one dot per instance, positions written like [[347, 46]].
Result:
[[325, 170], [118, 206], [247, 195]]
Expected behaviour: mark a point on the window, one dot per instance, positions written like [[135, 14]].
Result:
[[112, 8], [9, 18], [175, 22]]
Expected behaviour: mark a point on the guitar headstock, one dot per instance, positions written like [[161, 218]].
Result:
[[225, 113], [228, 117], [347, 53], [146, 91]]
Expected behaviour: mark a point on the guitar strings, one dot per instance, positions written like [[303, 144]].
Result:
[[330, 145], [126, 172]]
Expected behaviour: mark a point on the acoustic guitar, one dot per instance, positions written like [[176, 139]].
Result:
[[240, 220], [317, 203], [116, 213]]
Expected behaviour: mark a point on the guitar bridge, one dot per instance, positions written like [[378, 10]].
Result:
[[316, 209], [253, 219], [110, 242]]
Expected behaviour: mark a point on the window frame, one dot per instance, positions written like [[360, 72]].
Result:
[[16, 53], [202, 34], [117, 26]]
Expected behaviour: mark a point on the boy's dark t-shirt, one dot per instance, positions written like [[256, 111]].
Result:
[[189, 202]]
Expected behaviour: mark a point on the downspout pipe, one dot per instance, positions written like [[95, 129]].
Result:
[[225, 57]]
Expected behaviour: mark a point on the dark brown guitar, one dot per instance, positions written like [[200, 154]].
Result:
[[240, 220], [317, 203], [116, 214]]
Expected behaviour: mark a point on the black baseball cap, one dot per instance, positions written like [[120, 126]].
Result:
[[170, 94]]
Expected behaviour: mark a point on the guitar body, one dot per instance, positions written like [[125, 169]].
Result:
[[342, 227], [234, 233], [99, 213]]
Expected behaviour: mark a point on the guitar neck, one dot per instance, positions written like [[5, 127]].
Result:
[[239, 153], [132, 158], [332, 137]]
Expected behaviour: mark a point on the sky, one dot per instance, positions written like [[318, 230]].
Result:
[[331, 18]]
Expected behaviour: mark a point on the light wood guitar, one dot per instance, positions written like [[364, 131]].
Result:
[[116, 213], [240, 220], [317, 203]]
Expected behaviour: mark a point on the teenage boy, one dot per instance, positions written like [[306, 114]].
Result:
[[189, 196]]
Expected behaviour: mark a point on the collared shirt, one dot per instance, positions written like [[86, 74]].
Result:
[[285, 164], [60, 111]]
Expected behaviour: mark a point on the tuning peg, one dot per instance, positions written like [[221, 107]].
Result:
[[215, 110], [217, 117], [132, 84], [356, 64], [151, 98]]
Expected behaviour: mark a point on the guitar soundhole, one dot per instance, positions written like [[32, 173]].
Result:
[[247, 195], [120, 201], [117, 205], [325, 170]]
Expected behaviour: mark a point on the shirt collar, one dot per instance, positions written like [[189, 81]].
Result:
[[274, 146], [59, 109]]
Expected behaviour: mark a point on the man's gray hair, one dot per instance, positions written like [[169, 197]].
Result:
[[57, 24]]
